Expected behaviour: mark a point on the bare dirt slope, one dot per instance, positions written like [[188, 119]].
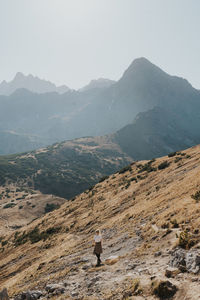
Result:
[[142, 211], [20, 206]]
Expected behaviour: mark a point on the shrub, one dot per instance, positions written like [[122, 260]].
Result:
[[128, 184], [163, 165], [174, 223], [125, 169], [3, 243], [182, 153], [8, 205], [171, 154], [196, 196], [185, 240], [177, 159], [103, 178], [134, 179], [50, 207], [163, 289], [35, 235]]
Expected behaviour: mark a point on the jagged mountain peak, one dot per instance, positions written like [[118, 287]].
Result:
[[19, 75], [31, 83], [97, 83], [142, 66]]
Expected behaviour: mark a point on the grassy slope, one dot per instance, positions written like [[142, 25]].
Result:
[[131, 209]]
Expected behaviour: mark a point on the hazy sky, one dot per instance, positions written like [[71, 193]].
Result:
[[73, 41]]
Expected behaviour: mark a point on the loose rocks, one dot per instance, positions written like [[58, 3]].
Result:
[[29, 295]]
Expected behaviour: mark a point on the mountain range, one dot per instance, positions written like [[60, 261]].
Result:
[[31, 83], [143, 91]]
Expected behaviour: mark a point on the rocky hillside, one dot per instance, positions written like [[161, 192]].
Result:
[[64, 169], [149, 217]]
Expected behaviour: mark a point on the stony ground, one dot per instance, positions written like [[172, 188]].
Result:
[[146, 214]]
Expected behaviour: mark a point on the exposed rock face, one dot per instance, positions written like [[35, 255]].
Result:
[[186, 261], [29, 295], [4, 294], [55, 288], [178, 259], [193, 262]]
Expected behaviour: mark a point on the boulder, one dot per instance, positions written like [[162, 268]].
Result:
[[178, 258], [186, 261], [192, 262], [29, 295], [55, 288]]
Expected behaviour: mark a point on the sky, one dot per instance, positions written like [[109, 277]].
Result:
[[73, 41]]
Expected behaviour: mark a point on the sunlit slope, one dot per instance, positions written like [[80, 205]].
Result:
[[141, 210]]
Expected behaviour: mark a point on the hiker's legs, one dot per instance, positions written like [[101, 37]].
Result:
[[98, 258]]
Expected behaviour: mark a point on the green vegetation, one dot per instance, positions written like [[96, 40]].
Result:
[[185, 240], [103, 178], [63, 171], [125, 169], [171, 154], [8, 205], [163, 165], [3, 243], [174, 223], [35, 235], [147, 167], [50, 207], [163, 289], [196, 196]]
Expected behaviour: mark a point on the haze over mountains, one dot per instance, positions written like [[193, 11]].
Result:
[[30, 83], [98, 83], [145, 97]]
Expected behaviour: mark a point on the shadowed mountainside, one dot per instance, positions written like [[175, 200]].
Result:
[[100, 111]]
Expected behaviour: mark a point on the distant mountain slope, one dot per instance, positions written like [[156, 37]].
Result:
[[64, 169], [142, 87], [11, 142], [98, 83], [156, 133], [31, 83]]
